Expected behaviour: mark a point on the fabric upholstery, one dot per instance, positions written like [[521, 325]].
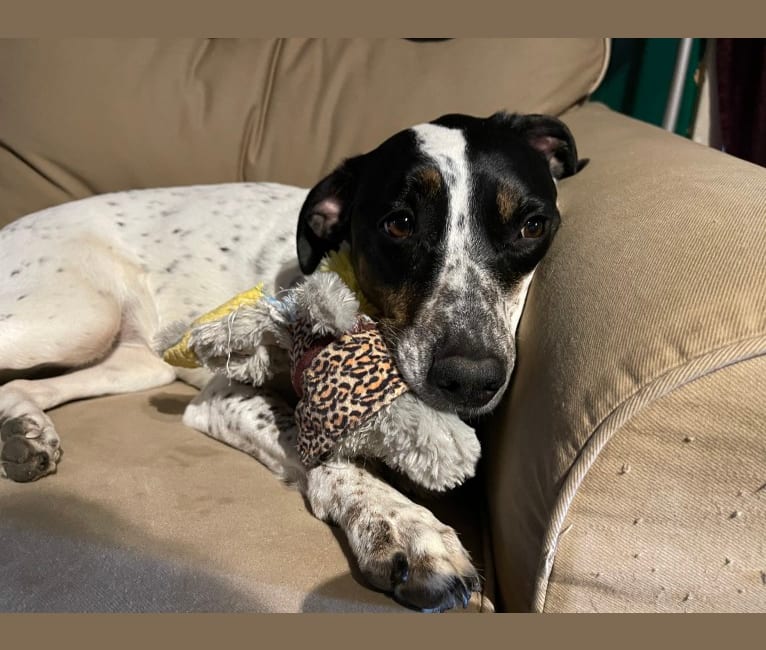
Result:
[[654, 280], [671, 516]]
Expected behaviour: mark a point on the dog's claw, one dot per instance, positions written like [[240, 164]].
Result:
[[457, 591], [400, 569], [461, 591], [13, 427]]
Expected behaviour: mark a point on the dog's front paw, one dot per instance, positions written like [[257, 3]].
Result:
[[29, 451], [421, 561]]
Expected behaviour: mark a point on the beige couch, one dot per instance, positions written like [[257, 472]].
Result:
[[625, 470]]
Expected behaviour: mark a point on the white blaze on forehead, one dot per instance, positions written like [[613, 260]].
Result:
[[448, 150]]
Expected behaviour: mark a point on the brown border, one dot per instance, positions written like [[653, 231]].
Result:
[[428, 18], [389, 18], [389, 631]]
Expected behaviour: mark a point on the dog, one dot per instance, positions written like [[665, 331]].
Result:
[[446, 222]]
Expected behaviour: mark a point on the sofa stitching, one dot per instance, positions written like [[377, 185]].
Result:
[[27, 161], [605, 56], [255, 128], [607, 43], [672, 379]]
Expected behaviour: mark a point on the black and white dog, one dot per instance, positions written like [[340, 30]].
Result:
[[446, 222]]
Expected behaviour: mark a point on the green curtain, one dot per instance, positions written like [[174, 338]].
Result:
[[637, 82]]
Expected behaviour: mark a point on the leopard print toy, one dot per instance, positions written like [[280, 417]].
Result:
[[343, 384]]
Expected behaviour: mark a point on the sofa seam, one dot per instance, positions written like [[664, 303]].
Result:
[[36, 169], [745, 349], [607, 45], [254, 136]]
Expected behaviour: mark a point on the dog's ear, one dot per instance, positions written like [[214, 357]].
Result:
[[551, 137], [323, 223]]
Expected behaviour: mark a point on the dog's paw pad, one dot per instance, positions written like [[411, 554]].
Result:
[[419, 560], [437, 589], [29, 451]]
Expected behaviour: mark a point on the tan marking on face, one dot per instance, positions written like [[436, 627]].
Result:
[[507, 201], [430, 180], [396, 306]]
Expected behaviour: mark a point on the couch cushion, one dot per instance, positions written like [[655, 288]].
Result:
[[655, 278], [144, 514], [85, 116]]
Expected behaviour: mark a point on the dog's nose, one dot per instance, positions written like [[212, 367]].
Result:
[[467, 381]]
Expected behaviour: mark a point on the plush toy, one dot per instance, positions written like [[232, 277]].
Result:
[[352, 400]]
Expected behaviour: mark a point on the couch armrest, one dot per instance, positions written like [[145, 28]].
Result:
[[655, 282]]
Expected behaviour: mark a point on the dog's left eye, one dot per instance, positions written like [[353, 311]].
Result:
[[398, 225], [533, 228]]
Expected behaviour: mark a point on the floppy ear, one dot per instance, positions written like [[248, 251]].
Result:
[[323, 220], [552, 138]]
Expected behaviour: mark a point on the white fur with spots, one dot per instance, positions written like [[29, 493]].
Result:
[[88, 284]]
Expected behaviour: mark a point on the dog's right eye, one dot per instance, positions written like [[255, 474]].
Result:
[[533, 228], [398, 225]]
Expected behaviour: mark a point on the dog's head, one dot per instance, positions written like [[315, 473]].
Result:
[[446, 222]]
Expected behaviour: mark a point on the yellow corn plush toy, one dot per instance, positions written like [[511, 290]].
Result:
[[181, 355]]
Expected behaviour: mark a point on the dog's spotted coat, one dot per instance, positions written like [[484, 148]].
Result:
[[87, 285]]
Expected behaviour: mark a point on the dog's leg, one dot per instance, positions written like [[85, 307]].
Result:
[[92, 316], [30, 444], [401, 547], [250, 419], [68, 327]]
